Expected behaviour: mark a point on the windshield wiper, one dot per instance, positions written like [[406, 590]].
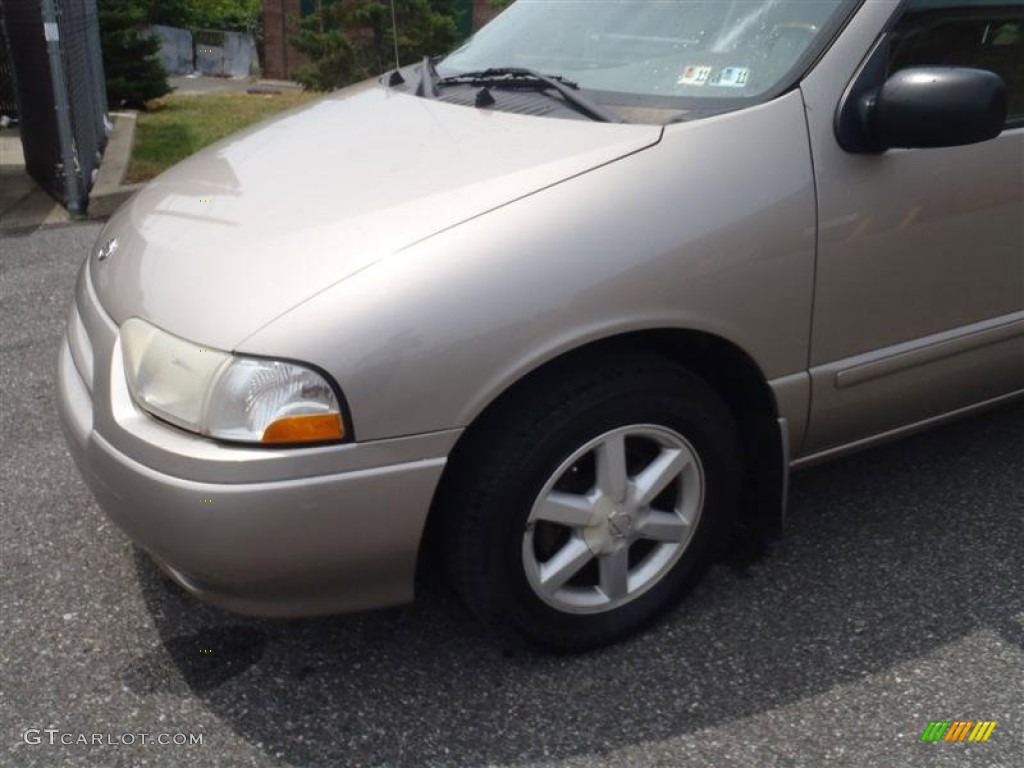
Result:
[[427, 84], [520, 78]]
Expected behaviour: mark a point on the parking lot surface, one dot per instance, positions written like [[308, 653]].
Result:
[[895, 598]]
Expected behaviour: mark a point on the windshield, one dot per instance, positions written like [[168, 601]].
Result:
[[654, 51]]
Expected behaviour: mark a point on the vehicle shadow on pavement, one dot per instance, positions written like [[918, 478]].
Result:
[[889, 555]]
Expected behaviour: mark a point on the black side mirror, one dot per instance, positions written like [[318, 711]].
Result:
[[925, 107]]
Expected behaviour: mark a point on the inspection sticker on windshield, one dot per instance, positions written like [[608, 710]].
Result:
[[695, 74], [731, 77]]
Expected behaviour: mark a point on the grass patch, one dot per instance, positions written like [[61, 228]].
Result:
[[180, 124]]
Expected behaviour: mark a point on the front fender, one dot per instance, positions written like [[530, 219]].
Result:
[[712, 230]]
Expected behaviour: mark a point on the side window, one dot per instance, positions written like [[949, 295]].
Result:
[[984, 34]]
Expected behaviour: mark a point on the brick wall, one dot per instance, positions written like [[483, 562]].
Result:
[[483, 12], [281, 60]]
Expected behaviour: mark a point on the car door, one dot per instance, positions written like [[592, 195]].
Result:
[[919, 291]]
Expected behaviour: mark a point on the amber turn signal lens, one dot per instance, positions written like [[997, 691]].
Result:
[[310, 428]]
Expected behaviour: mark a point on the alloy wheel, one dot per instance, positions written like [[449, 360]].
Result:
[[613, 519]]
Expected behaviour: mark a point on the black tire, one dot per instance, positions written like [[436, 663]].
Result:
[[505, 461]]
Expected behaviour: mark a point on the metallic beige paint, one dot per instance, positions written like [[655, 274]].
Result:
[[432, 255], [265, 219], [919, 299], [270, 532], [425, 339]]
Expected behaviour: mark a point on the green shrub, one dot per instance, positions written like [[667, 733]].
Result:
[[224, 14], [131, 61], [353, 39], [240, 15]]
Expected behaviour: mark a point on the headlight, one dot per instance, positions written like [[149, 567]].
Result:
[[227, 396]]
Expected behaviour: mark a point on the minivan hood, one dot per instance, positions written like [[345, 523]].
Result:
[[241, 232]]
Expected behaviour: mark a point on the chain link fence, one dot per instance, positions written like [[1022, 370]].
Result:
[[54, 51], [8, 101]]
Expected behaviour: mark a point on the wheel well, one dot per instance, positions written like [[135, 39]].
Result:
[[741, 384], [728, 369]]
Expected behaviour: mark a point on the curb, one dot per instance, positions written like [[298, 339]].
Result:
[[110, 192], [271, 87]]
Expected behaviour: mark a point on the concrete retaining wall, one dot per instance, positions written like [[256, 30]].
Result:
[[175, 49], [211, 52], [233, 55]]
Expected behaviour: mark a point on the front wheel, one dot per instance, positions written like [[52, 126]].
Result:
[[592, 501]]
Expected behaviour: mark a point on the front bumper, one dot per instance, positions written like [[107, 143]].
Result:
[[266, 532]]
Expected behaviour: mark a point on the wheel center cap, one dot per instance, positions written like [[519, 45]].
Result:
[[620, 524], [612, 526]]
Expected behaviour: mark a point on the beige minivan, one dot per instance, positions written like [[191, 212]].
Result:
[[564, 307]]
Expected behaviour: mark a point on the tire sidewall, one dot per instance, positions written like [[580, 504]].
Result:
[[700, 418]]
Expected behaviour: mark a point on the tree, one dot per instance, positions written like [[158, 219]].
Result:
[[333, 58], [173, 13], [241, 15], [131, 61], [354, 39], [224, 14]]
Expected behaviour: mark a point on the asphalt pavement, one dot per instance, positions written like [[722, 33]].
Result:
[[895, 598]]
